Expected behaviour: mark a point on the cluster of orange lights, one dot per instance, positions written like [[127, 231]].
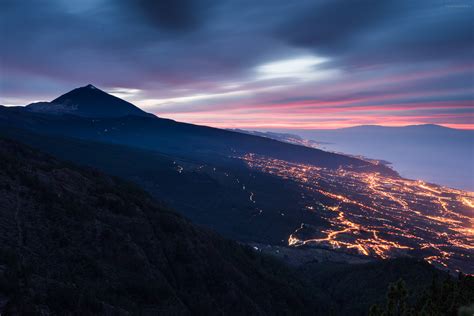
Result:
[[380, 216]]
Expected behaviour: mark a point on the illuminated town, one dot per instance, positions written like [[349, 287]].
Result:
[[380, 216]]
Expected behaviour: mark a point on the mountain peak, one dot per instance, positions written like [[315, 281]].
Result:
[[88, 101], [90, 86]]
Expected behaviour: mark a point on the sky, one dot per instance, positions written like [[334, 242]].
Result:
[[249, 64]]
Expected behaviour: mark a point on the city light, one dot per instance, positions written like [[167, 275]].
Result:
[[374, 215]]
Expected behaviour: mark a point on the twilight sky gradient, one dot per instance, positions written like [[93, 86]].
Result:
[[249, 64]]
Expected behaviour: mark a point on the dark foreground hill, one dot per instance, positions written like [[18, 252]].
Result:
[[354, 288], [76, 241]]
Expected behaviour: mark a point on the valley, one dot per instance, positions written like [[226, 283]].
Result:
[[380, 216]]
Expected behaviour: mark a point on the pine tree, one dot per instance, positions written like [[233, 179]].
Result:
[[397, 299]]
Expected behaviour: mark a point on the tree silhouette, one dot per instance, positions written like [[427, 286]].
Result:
[[448, 297], [397, 299]]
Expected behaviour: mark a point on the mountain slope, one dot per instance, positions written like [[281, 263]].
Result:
[[88, 101], [106, 122], [75, 240], [211, 197], [173, 138]]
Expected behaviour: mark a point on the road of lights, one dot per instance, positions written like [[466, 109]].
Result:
[[381, 216]]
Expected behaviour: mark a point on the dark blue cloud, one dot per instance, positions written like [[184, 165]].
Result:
[[174, 15], [194, 46], [362, 32], [335, 24]]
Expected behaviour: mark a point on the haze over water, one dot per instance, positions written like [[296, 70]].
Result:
[[427, 152]]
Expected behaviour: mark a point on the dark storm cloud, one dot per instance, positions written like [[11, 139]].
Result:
[[370, 31], [334, 24], [174, 15], [131, 43], [178, 41], [104, 40]]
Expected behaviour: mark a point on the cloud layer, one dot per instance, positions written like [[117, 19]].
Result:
[[300, 64]]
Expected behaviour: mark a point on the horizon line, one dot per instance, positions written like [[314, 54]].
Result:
[[222, 125]]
